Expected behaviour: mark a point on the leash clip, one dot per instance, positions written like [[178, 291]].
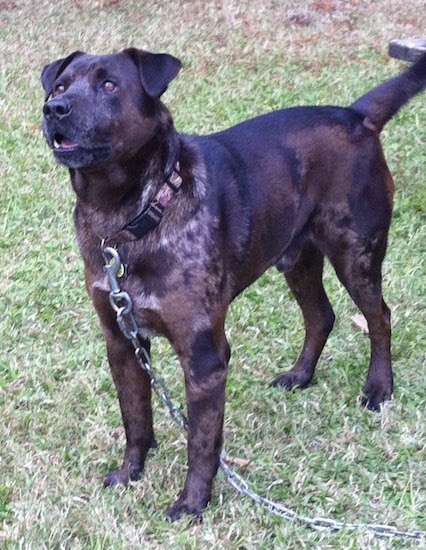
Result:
[[113, 267]]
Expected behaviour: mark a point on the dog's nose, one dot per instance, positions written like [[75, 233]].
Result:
[[57, 108]]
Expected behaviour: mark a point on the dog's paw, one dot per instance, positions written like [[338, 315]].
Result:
[[181, 509], [121, 477], [375, 397], [132, 466], [291, 380]]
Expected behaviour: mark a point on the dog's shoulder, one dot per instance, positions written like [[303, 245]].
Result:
[[227, 194]]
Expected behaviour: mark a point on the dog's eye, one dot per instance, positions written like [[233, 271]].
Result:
[[59, 89], [109, 86]]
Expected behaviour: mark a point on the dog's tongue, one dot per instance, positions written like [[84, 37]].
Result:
[[67, 144], [61, 142]]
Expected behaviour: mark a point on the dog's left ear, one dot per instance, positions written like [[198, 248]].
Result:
[[53, 70], [156, 70]]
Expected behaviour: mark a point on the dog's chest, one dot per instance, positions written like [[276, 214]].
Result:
[[178, 280], [146, 303]]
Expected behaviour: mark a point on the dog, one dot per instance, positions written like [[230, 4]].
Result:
[[197, 219]]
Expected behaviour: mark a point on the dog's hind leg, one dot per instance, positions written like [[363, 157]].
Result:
[[359, 269], [305, 282]]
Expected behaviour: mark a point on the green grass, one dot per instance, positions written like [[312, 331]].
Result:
[[317, 451]]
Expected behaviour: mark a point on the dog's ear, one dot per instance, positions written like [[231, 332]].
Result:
[[53, 70], [156, 70]]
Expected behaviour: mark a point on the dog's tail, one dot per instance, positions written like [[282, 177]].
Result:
[[379, 105]]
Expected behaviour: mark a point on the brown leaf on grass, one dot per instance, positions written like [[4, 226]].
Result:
[[240, 462], [360, 322]]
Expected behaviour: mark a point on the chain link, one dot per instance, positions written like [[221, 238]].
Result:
[[122, 305], [161, 390]]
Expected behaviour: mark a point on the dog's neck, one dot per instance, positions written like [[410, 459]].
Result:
[[116, 185], [112, 196], [110, 187]]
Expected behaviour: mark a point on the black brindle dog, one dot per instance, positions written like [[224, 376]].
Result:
[[197, 219]]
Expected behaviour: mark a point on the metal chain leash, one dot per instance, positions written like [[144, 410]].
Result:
[[122, 305]]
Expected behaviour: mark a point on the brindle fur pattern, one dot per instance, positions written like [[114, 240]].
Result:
[[286, 189]]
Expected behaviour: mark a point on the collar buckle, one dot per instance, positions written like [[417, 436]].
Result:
[[152, 215]]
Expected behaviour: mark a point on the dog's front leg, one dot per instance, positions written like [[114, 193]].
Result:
[[134, 393], [205, 379]]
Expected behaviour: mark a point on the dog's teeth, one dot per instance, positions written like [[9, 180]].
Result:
[[56, 145]]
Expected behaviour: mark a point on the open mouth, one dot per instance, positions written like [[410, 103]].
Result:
[[63, 143], [72, 154]]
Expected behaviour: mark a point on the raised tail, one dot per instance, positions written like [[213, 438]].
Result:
[[379, 105]]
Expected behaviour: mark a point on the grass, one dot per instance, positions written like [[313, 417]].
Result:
[[317, 451]]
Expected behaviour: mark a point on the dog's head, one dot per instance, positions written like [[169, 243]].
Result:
[[103, 108]]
